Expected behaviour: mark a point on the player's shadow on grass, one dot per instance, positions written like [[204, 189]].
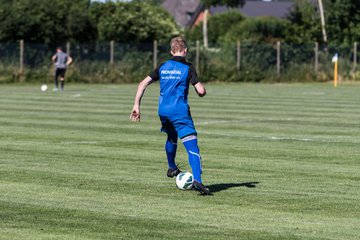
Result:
[[223, 186]]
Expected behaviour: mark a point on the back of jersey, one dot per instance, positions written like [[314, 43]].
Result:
[[61, 59], [174, 89]]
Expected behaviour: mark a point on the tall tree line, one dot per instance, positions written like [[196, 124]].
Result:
[[58, 21], [302, 25]]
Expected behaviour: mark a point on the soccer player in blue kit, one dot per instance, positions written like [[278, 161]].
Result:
[[175, 76]]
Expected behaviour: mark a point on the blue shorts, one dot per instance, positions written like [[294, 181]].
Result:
[[176, 126]]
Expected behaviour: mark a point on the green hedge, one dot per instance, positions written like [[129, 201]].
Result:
[[218, 63]]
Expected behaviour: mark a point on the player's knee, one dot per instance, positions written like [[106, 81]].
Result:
[[189, 138], [172, 137], [191, 146], [172, 140]]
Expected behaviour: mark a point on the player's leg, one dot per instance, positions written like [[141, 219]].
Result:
[[56, 79], [170, 146], [192, 148], [187, 133], [62, 82], [62, 79]]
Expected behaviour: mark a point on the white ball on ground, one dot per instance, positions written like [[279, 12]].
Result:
[[184, 180], [44, 87]]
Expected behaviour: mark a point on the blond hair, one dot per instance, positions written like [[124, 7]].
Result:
[[178, 44]]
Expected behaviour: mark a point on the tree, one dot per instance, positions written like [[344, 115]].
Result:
[[322, 18], [152, 2], [305, 24], [134, 21], [343, 20], [259, 30], [43, 21], [216, 29], [208, 4]]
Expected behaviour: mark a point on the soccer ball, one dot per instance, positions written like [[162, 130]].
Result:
[[44, 87], [184, 180]]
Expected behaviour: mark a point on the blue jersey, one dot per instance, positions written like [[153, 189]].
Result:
[[175, 75]]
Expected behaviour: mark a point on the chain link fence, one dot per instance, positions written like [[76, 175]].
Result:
[[131, 62]]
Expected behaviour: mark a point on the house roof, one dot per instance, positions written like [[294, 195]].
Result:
[[185, 12], [260, 8]]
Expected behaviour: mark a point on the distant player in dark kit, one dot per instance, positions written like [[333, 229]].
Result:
[[61, 61], [175, 76]]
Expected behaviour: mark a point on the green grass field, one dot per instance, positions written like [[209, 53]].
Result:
[[283, 162]]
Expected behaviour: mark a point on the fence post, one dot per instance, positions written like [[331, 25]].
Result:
[[238, 50], [316, 64], [354, 61], [278, 57], [155, 53], [197, 59], [68, 48], [112, 52], [21, 63]]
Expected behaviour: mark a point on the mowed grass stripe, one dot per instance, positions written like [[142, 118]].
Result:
[[282, 161]]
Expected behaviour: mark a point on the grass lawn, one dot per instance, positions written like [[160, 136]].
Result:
[[282, 160]]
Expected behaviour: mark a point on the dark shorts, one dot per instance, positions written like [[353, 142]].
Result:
[[176, 126], [60, 72]]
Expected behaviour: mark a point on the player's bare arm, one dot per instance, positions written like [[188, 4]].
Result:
[[69, 61], [53, 58], [135, 113], [200, 89]]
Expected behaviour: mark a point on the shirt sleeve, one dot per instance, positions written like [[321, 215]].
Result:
[[155, 75], [193, 75]]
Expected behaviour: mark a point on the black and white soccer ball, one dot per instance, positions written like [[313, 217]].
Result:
[[44, 87], [184, 180]]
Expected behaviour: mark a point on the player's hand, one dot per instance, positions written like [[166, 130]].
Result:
[[135, 115]]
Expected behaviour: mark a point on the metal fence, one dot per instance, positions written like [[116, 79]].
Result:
[[130, 62]]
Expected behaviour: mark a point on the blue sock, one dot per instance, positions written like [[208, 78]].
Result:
[[193, 151], [170, 148]]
